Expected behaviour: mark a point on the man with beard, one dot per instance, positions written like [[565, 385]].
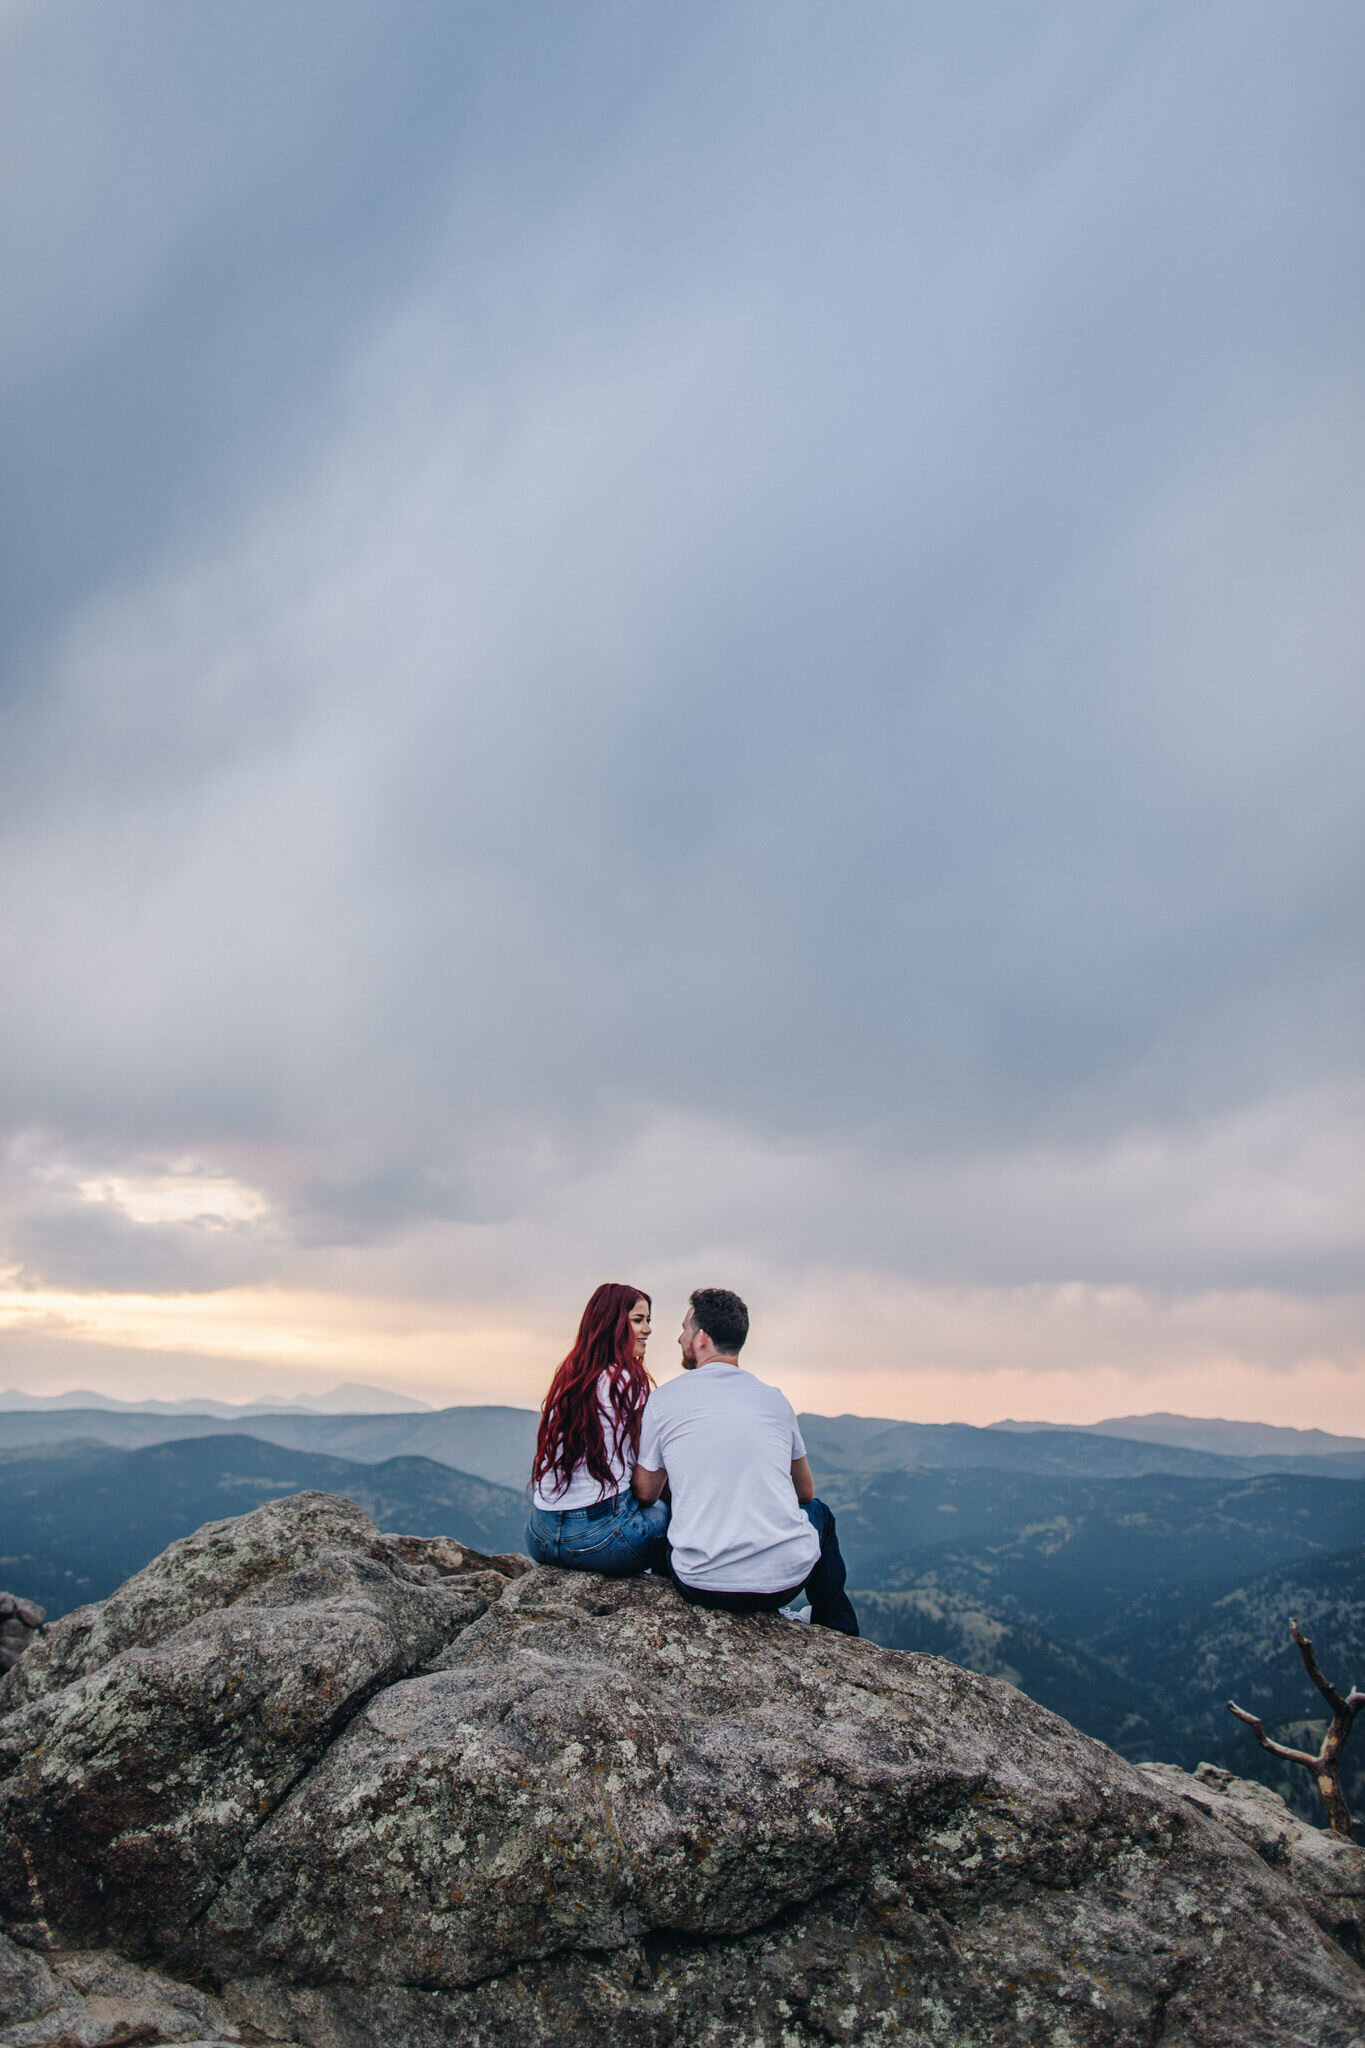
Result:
[[747, 1533]]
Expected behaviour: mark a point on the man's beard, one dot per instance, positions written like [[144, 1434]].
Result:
[[689, 1359]]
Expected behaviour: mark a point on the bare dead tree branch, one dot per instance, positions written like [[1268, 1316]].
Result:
[[1310, 1665], [1326, 1765], [1290, 1756]]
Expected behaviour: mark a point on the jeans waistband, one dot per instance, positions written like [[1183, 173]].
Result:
[[592, 1514]]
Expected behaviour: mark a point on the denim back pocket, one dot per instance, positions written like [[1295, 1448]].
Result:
[[590, 1539]]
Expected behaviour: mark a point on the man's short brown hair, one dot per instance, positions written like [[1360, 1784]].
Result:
[[723, 1316]]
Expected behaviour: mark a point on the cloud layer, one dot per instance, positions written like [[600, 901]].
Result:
[[641, 639]]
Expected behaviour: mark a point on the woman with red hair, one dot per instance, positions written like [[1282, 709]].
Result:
[[583, 1513]]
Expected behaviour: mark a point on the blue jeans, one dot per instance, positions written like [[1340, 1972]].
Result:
[[619, 1536]]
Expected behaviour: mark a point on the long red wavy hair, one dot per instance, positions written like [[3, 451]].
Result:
[[571, 1432]]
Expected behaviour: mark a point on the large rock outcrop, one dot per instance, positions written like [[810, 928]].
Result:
[[353, 1788]]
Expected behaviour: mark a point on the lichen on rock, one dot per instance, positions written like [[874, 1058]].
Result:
[[183, 1710], [1326, 1870]]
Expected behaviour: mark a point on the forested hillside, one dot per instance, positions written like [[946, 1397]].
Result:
[[76, 1521], [1136, 1608]]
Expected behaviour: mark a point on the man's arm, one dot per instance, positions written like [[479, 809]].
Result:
[[802, 1479], [649, 1485]]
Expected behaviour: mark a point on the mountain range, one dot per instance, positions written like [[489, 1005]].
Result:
[[498, 1443], [79, 1518], [1209, 1433]]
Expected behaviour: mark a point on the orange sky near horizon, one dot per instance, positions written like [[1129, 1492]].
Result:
[[1065, 1354]]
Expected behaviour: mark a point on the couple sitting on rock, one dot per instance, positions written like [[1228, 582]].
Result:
[[705, 1478]]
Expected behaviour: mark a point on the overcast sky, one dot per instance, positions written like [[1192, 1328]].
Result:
[[711, 644]]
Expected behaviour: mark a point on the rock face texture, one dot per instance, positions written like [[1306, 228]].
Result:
[[99, 2000], [350, 1788], [20, 1621], [1325, 1870]]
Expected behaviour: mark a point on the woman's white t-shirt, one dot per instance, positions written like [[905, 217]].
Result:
[[583, 1491]]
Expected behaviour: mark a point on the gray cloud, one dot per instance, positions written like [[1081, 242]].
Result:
[[793, 570]]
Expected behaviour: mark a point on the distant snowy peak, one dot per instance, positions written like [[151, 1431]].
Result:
[[1209, 1433]]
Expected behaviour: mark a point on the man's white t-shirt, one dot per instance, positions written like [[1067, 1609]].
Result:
[[727, 1443], [583, 1491]]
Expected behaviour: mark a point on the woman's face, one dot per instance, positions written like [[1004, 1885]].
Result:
[[639, 1323]]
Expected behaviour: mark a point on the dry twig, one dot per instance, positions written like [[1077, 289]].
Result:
[[1326, 1765]]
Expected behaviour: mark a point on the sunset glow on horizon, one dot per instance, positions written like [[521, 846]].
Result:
[[917, 1356]]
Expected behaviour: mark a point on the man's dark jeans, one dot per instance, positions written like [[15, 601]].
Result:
[[830, 1606]]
